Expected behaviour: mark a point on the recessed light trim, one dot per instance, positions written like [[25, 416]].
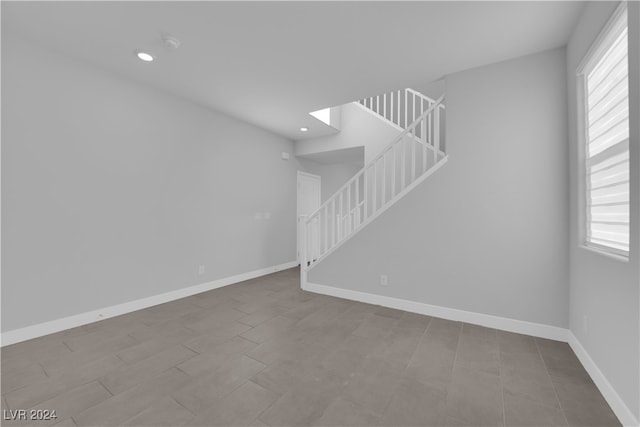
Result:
[[304, 129], [144, 56]]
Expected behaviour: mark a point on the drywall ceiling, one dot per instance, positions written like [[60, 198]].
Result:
[[270, 63]]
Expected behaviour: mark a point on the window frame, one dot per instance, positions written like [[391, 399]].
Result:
[[600, 46]]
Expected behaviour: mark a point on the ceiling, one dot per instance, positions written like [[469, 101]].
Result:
[[270, 63]]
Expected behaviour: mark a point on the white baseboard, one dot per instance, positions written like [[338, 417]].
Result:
[[502, 323], [50, 327], [528, 328], [618, 406]]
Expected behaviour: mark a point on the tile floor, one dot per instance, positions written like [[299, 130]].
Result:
[[265, 353]]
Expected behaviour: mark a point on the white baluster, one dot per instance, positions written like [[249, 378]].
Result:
[[326, 228], [348, 203], [436, 135], [373, 187], [406, 108], [398, 115], [403, 161], [412, 147], [393, 171], [423, 124], [384, 105], [358, 193]]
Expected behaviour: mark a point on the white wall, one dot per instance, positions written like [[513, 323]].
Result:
[[487, 233], [114, 192], [359, 128], [604, 289]]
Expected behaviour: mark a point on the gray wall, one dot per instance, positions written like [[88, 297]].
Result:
[[333, 176], [359, 128], [603, 289], [487, 233], [114, 192]]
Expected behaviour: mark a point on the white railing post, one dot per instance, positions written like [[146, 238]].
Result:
[[384, 105], [436, 133], [365, 195], [374, 190], [383, 196], [393, 172], [391, 109], [406, 108], [303, 251], [343, 218], [398, 115]]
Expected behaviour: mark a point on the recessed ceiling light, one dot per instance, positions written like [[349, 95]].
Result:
[[144, 56], [304, 129]]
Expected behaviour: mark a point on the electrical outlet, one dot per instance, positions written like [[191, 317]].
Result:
[[201, 270], [384, 280]]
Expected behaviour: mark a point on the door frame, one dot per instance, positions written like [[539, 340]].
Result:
[[307, 175]]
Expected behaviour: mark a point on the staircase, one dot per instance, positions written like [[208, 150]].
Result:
[[416, 153], [398, 108]]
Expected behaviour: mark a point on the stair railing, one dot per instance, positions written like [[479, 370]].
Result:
[[399, 107], [413, 155]]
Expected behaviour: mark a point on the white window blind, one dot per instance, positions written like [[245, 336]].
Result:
[[606, 89]]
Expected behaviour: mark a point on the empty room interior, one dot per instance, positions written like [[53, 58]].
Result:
[[320, 213]]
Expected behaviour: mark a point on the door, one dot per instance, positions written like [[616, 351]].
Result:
[[308, 198]]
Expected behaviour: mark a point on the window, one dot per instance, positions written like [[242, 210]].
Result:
[[604, 84]]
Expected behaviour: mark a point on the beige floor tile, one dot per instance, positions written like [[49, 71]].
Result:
[[38, 392], [478, 349], [475, 397], [525, 412], [373, 384], [208, 387], [55, 365], [217, 356], [240, 408], [530, 384], [164, 412], [434, 358], [278, 326], [128, 404], [509, 342], [66, 423], [211, 340], [264, 352], [131, 375], [341, 413], [415, 404], [31, 374], [376, 327], [74, 401]]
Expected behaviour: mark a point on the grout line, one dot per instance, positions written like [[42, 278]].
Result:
[[44, 370], [453, 368], [270, 405], [419, 342], [188, 410], [555, 392], [103, 386], [67, 345], [504, 416]]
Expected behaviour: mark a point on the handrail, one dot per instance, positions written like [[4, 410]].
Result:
[[378, 157], [398, 107], [407, 160]]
